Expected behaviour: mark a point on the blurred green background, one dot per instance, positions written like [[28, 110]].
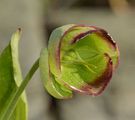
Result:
[[38, 18]]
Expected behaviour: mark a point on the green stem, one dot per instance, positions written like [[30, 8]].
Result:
[[19, 91]]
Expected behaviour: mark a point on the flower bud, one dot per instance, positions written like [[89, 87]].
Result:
[[80, 59]]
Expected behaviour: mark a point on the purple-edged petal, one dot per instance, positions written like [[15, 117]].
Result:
[[101, 82]]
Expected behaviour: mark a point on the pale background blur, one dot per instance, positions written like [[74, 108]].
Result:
[[38, 18]]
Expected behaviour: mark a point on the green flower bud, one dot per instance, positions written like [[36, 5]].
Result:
[[78, 58]]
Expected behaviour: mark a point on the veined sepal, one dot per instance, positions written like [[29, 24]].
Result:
[[50, 83]]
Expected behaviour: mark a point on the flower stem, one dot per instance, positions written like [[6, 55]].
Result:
[[19, 91]]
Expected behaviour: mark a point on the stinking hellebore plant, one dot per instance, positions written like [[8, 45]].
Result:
[[78, 58]]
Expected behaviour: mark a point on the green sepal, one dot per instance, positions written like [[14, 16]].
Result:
[[53, 48], [51, 85]]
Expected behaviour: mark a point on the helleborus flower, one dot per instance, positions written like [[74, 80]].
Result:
[[80, 59]]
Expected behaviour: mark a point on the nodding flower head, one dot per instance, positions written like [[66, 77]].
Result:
[[78, 58]]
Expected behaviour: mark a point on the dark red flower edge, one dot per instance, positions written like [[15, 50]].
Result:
[[97, 87]]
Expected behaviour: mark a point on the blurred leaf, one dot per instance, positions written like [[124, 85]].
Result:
[[10, 80]]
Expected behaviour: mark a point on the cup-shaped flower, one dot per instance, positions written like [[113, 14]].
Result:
[[78, 58]]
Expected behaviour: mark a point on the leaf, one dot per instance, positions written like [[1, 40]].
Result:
[[10, 80]]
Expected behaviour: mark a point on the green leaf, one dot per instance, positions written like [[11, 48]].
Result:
[[10, 80]]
